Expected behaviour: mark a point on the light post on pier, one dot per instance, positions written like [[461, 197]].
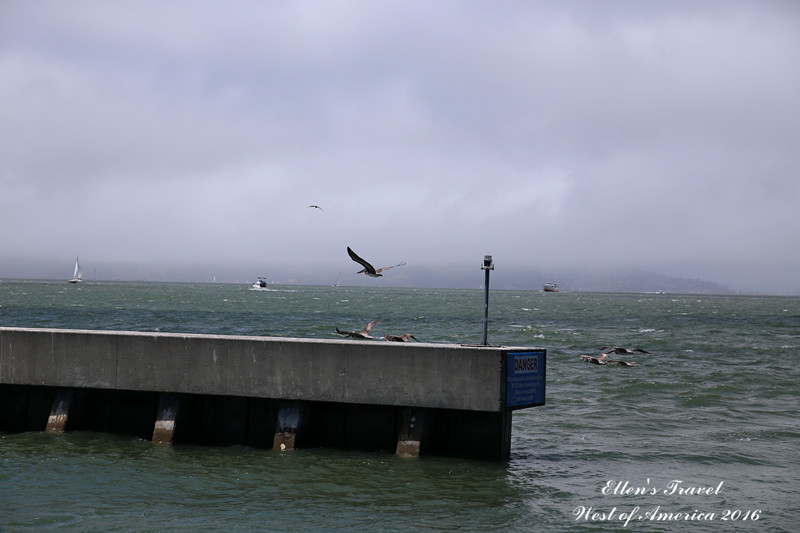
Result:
[[486, 267]]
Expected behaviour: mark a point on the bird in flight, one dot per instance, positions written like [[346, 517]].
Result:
[[363, 334], [317, 207], [595, 360], [400, 338], [369, 270], [616, 362], [621, 351]]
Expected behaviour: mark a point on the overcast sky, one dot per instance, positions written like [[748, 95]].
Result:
[[662, 136]]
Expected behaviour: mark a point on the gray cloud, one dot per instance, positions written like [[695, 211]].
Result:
[[564, 135]]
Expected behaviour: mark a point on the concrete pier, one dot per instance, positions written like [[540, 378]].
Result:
[[273, 392]]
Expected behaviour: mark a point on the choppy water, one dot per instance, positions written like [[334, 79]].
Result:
[[715, 402]]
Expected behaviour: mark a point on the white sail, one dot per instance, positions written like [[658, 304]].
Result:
[[77, 275]]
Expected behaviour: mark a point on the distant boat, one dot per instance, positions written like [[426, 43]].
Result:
[[77, 276], [261, 283], [550, 287]]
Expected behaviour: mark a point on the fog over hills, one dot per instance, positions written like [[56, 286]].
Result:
[[410, 275]]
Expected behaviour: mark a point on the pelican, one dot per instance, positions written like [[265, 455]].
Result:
[[363, 334], [622, 351], [369, 270], [616, 362], [595, 360], [317, 207], [400, 338]]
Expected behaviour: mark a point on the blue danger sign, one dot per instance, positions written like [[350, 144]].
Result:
[[525, 378]]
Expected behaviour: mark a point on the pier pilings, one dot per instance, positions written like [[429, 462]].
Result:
[[279, 393]]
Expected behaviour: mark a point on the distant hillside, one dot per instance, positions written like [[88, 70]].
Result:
[[642, 282], [526, 279], [412, 275]]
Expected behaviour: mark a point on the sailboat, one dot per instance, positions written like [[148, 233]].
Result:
[[77, 276]]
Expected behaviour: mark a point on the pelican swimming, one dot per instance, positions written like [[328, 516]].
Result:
[[369, 270], [621, 351], [363, 334], [400, 338]]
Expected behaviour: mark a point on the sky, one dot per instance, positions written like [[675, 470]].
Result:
[[185, 140]]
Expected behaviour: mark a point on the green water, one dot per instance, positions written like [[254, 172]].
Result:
[[716, 401]]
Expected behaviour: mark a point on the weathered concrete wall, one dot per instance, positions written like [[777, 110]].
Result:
[[344, 371], [261, 391]]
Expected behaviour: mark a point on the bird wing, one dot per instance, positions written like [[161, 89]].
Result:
[[347, 333], [616, 349], [354, 256], [369, 326], [640, 350], [378, 271]]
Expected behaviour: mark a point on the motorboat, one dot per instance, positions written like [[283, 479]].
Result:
[[261, 283]]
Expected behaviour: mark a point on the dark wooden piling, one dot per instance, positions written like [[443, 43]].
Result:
[[59, 414]]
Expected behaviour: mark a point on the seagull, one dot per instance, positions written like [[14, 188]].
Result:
[[595, 360], [620, 351], [363, 334], [317, 207], [400, 338], [369, 270]]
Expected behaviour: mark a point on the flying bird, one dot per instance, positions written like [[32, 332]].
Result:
[[620, 351], [400, 338], [369, 270], [595, 360], [363, 334], [317, 207], [616, 362]]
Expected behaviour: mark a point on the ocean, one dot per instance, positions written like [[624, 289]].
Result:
[[701, 434]]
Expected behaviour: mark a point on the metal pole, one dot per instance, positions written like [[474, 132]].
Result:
[[486, 267]]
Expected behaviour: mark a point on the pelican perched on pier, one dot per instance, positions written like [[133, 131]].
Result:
[[368, 269], [363, 334], [400, 338]]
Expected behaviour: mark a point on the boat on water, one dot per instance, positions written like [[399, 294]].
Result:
[[77, 275], [261, 283], [550, 287]]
